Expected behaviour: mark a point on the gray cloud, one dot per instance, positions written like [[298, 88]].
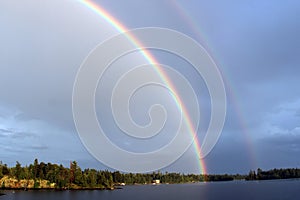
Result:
[[5, 130], [16, 134], [280, 150], [39, 147], [256, 45]]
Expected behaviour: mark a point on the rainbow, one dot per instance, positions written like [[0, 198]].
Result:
[[230, 87], [164, 77]]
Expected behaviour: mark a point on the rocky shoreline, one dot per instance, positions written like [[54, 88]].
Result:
[[9, 183]]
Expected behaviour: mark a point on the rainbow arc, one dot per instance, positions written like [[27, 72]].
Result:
[[164, 77]]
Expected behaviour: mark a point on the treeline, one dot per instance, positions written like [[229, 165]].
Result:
[[138, 178], [76, 178], [171, 178], [222, 177], [273, 174], [62, 177]]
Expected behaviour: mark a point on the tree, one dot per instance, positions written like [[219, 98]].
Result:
[[19, 172], [5, 170], [35, 168], [92, 178], [76, 174], [259, 174]]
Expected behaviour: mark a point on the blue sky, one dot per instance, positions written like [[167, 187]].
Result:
[[255, 44]]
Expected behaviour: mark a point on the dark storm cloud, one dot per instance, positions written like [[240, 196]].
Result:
[[286, 141], [279, 150], [266, 62]]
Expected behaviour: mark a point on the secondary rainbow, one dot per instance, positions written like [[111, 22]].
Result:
[[121, 28], [201, 36]]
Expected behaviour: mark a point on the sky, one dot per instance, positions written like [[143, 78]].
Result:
[[255, 45]]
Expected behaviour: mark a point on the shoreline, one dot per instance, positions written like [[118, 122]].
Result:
[[3, 190], [56, 189]]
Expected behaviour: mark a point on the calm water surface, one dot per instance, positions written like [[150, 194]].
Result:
[[273, 190]]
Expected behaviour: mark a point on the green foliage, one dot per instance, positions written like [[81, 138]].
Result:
[[274, 174], [36, 184], [74, 177], [18, 171], [223, 177], [5, 170]]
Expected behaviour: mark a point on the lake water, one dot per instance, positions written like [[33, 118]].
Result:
[[273, 190]]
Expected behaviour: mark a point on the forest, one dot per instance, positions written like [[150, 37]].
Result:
[[274, 174], [40, 175]]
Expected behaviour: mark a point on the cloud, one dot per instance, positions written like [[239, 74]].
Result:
[[39, 147], [256, 45], [279, 150], [288, 140], [39, 83], [11, 133], [5, 130], [23, 135], [278, 141]]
